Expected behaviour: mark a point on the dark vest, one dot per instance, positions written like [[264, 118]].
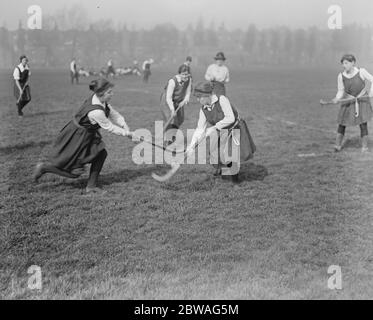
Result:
[[81, 117], [217, 114], [23, 76], [354, 85], [179, 91]]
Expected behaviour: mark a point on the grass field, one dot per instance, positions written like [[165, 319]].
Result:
[[195, 237]]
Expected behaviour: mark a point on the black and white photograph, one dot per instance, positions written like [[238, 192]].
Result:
[[206, 151]]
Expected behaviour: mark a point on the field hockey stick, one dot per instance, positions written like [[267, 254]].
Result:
[[175, 165], [172, 117], [20, 96], [331, 102], [131, 135]]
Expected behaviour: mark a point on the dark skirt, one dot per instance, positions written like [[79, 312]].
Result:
[[247, 145], [346, 115], [26, 95], [146, 74], [218, 88], [75, 146], [245, 142], [178, 120]]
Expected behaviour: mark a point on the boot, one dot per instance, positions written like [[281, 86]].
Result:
[[364, 142], [338, 142]]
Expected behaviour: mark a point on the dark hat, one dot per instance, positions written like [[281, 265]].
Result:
[[220, 56], [189, 58], [99, 86], [203, 89]]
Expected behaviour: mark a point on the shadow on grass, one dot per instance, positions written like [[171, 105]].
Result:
[[253, 172], [352, 143], [23, 146], [125, 175]]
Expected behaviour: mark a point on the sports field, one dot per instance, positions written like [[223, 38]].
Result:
[[299, 208]]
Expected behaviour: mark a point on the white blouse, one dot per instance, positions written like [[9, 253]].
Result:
[[115, 123], [228, 119], [217, 73], [170, 91], [16, 74]]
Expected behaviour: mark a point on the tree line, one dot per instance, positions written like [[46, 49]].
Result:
[[95, 44]]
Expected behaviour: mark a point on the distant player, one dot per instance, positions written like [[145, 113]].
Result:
[[74, 72], [146, 69], [110, 69], [218, 74], [354, 82], [21, 77], [188, 62], [135, 68], [218, 112], [175, 97], [80, 141]]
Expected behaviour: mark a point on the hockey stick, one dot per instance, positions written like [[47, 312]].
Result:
[[331, 102], [131, 135], [175, 165], [172, 117]]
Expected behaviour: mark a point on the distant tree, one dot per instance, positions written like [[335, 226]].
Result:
[[250, 38], [21, 39], [211, 38], [311, 44], [299, 45], [5, 47], [199, 34]]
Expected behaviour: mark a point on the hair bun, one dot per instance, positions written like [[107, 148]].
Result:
[[93, 85]]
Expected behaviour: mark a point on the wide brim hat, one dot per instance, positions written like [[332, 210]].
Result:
[[203, 89], [220, 56]]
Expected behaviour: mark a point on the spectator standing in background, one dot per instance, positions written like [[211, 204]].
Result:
[[218, 74]]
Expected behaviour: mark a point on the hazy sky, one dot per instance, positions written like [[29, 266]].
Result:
[[234, 13]]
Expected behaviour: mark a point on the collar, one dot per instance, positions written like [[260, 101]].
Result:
[[21, 67], [214, 99], [178, 78], [356, 71], [96, 101]]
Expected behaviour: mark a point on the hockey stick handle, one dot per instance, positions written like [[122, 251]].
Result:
[[331, 102], [132, 135]]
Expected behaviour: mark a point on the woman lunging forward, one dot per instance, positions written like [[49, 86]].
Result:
[[80, 141]]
